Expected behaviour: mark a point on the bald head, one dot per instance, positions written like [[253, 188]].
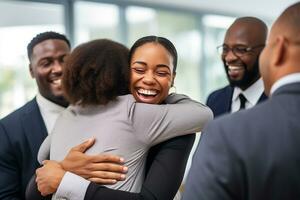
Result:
[[289, 21], [281, 57], [249, 29]]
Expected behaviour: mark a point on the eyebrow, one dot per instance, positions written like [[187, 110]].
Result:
[[139, 62], [159, 65], [239, 44], [51, 57], [163, 66]]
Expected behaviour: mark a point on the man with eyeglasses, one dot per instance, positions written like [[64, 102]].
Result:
[[243, 43], [254, 154]]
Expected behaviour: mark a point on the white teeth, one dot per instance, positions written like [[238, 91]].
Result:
[[147, 92], [57, 82], [235, 68]]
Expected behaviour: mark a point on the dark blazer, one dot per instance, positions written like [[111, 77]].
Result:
[[21, 134], [251, 154], [220, 100]]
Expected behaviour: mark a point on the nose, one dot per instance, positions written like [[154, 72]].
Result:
[[230, 56], [57, 67], [149, 78]]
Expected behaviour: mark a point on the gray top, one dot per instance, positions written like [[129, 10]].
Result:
[[126, 128]]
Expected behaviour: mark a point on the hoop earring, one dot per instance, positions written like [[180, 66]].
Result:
[[172, 90]]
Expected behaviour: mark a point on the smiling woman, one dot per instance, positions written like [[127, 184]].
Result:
[[153, 65], [121, 124]]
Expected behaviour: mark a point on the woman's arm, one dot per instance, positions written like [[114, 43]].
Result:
[[103, 168], [153, 124], [165, 169]]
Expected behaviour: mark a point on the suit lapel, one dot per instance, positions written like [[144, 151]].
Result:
[[262, 98], [34, 126], [228, 99]]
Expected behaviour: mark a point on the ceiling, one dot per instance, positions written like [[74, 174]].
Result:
[[265, 9], [13, 12]]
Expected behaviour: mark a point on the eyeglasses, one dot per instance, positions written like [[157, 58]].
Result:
[[238, 51]]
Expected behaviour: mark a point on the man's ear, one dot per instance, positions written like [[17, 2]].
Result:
[[31, 71], [280, 51]]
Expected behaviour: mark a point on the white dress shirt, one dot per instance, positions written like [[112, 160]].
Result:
[[49, 111], [252, 94], [292, 78]]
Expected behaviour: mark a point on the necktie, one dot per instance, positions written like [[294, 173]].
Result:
[[243, 101]]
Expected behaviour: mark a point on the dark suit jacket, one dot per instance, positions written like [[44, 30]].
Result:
[[21, 134], [251, 154], [220, 100]]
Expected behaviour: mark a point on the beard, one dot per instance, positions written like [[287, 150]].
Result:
[[248, 78]]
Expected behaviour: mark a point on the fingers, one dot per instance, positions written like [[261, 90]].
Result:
[[45, 162], [104, 171], [84, 146], [107, 158], [103, 181], [108, 167], [108, 175]]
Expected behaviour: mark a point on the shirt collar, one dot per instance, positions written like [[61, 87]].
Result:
[[47, 105], [292, 78], [252, 93]]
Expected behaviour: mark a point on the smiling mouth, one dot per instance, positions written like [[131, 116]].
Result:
[[56, 82], [147, 96], [235, 69], [147, 93]]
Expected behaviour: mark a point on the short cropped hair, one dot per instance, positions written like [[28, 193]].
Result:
[[45, 36], [96, 72], [167, 44]]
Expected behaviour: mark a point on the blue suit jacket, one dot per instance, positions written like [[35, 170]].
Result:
[[21, 134], [220, 100], [251, 154]]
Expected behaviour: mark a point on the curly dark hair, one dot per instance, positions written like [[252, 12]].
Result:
[[45, 36], [96, 72]]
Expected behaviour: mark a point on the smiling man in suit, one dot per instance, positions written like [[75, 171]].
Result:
[[22, 131], [254, 154], [243, 43]]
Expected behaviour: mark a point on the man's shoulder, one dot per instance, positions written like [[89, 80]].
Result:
[[245, 120], [29, 107], [219, 92]]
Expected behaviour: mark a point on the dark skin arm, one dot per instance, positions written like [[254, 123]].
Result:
[[165, 169], [102, 169]]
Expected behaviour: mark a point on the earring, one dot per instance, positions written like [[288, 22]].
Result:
[[172, 90]]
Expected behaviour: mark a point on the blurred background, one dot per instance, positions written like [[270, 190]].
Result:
[[196, 27]]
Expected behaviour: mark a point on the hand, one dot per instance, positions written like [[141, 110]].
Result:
[[49, 177], [102, 169]]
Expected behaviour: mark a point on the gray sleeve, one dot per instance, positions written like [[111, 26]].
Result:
[[72, 187], [157, 123], [44, 151]]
